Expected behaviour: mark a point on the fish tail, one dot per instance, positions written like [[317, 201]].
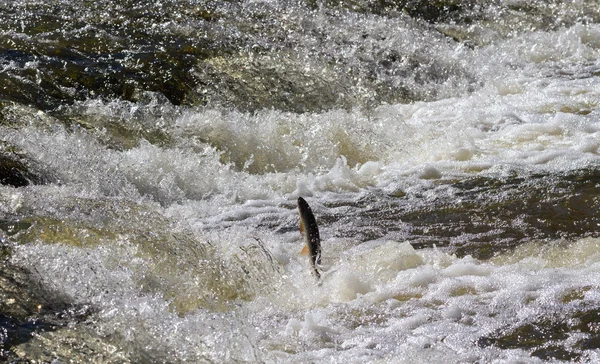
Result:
[[317, 274]]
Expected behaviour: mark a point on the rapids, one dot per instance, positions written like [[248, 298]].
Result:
[[152, 152]]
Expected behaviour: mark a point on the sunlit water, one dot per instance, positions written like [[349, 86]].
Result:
[[451, 165]]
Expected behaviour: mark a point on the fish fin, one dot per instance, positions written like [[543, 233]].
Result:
[[301, 227], [304, 251]]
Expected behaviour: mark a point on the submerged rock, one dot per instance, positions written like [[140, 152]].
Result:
[[552, 338], [13, 173], [251, 56], [430, 11], [66, 52], [15, 170], [242, 55], [480, 216], [27, 309], [73, 345]]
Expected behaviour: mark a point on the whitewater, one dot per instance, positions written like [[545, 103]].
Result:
[[152, 153]]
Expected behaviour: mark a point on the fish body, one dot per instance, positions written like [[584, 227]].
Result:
[[310, 231]]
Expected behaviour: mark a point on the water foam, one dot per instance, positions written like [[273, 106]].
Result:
[[378, 300]]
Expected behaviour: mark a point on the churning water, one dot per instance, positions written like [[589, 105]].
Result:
[[151, 155]]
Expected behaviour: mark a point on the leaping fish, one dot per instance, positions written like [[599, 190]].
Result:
[[310, 231]]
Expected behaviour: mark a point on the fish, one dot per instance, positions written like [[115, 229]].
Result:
[[310, 230]]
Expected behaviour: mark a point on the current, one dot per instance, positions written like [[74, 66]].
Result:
[[152, 153]]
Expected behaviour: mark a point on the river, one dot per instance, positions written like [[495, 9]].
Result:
[[152, 153]]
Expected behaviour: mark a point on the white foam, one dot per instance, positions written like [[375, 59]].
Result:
[[226, 181], [370, 168], [381, 299], [550, 124], [346, 285]]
